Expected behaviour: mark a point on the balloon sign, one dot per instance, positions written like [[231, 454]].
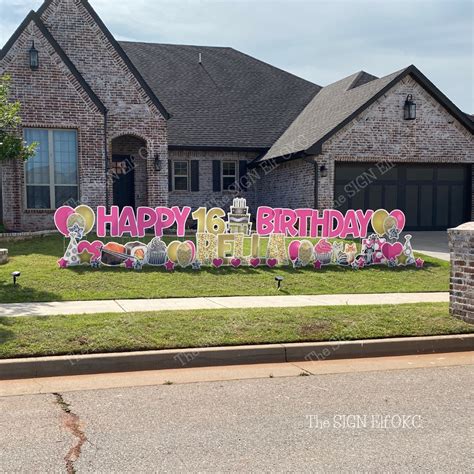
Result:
[[301, 237]]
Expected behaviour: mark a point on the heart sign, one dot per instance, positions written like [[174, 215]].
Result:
[[379, 217], [392, 251], [62, 215], [92, 247]]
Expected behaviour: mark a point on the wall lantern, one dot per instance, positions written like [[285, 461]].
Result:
[[409, 108], [323, 171], [158, 163], [34, 57]]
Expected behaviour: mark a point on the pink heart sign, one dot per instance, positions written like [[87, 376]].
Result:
[[218, 262], [392, 251], [254, 262], [236, 262], [272, 262], [93, 248]]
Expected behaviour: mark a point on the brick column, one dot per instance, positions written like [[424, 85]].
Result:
[[12, 186], [461, 245]]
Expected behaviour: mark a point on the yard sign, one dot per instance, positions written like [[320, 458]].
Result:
[[277, 237]]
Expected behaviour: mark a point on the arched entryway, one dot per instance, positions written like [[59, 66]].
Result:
[[128, 171]]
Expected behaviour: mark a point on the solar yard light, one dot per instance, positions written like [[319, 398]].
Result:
[[279, 280], [15, 275]]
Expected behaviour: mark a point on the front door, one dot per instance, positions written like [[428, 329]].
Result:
[[124, 180]]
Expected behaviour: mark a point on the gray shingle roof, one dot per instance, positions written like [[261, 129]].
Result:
[[337, 104], [230, 100], [331, 106]]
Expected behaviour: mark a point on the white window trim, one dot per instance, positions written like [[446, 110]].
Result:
[[234, 176], [52, 184], [188, 178]]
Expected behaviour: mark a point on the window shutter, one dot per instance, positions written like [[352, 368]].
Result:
[[195, 175], [216, 176], [170, 175], [242, 173]]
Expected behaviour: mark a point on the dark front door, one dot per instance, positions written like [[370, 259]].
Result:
[[124, 180], [433, 197]]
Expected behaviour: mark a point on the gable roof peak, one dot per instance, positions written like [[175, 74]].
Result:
[[361, 78], [118, 49], [35, 18]]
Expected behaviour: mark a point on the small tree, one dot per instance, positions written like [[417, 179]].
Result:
[[12, 145]]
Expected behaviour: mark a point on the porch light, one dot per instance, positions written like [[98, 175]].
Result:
[[323, 171], [34, 57], [409, 108], [158, 163]]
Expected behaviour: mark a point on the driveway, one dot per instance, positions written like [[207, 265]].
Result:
[[434, 244]]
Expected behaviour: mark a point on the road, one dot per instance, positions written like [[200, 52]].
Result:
[[293, 424]]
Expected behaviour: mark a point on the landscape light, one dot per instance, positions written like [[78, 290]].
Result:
[[15, 275]]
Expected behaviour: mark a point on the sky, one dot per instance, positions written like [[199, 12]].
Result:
[[322, 41]]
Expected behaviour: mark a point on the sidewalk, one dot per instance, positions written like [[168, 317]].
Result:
[[233, 302]]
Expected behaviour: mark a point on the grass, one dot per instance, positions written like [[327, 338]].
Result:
[[102, 333], [41, 280]]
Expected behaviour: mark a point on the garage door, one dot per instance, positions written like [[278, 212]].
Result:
[[433, 197]]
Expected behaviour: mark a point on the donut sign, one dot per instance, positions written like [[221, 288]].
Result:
[[177, 238]]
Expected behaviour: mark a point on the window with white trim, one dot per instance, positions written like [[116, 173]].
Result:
[[180, 176], [229, 174], [51, 175]]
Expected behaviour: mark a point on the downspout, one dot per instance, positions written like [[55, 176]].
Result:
[[106, 155], [316, 184]]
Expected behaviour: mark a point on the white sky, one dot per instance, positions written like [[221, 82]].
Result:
[[322, 41]]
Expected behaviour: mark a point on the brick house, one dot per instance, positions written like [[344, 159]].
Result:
[[152, 124]]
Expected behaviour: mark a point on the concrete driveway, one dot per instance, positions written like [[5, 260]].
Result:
[[434, 244]]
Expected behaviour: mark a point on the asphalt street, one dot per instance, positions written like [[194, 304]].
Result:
[[398, 421]]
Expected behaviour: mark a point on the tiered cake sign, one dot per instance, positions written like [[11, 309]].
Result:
[[301, 237]]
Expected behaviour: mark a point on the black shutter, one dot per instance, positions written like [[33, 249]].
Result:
[[170, 175], [195, 175], [242, 173], [216, 176]]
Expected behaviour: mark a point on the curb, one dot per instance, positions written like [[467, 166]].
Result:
[[11, 369]]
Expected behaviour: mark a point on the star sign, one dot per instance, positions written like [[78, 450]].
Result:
[[317, 265], [419, 263], [361, 263], [63, 263], [85, 257], [169, 265], [129, 263]]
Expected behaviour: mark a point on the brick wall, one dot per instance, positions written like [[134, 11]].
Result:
[[289, 185], [206, 196], [461, 245], [51, 98]]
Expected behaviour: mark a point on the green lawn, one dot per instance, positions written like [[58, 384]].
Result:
[[56, 335], [42, 280]]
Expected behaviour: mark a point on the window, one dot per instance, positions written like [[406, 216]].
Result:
[[51, 175], [180, 175], [229, 174]]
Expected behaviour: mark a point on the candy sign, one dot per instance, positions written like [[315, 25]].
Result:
[[278, 236]]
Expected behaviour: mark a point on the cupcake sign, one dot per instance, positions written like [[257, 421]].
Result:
[[277, 236]]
